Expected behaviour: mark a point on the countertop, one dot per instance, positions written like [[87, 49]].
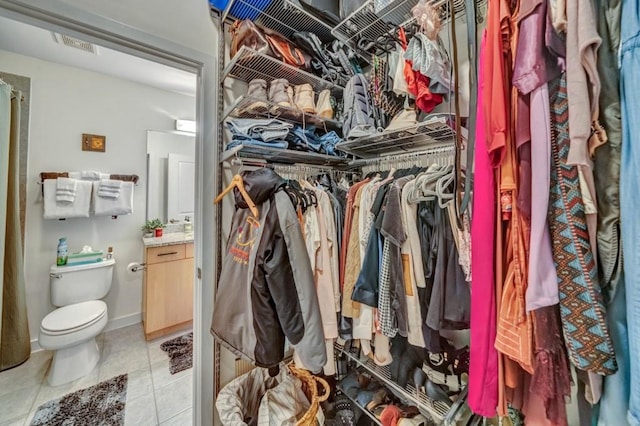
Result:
[[168, 239]]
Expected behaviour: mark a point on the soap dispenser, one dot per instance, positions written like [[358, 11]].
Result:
[[188, 226]]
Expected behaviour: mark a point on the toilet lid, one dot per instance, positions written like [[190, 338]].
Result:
[[74, 316]]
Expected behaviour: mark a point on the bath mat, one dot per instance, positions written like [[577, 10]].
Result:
[[180, 351], [102, 404]]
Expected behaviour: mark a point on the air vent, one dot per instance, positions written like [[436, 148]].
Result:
[[75, 43]]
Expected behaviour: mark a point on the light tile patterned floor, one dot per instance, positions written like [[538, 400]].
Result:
[[154, 396]]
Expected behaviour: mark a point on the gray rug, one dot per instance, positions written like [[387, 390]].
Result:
[[99, 405], [180, 351]]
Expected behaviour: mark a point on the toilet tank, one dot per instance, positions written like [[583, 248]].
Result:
[[80, 283]]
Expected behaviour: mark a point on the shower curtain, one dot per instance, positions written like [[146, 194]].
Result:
[[14, 328]]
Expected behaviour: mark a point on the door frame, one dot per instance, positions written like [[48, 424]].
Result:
[[57, 16]]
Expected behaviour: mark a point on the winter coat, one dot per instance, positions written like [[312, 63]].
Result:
[[266, 290]]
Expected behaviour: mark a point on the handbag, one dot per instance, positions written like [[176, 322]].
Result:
[[246, 33], [285, 50]]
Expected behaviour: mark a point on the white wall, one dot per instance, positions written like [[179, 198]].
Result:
[[159, 145], [67, 102]]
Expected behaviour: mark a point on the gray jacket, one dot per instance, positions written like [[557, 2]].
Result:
[[266, 290]]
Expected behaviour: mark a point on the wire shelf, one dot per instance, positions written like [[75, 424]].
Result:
[[248, 64], [368, 413], [436, 410], [248, 107], [283, 156], [369, 24], [366, 23], [414, 138], [282, 16]]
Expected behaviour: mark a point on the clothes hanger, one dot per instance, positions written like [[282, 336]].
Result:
[[442, 186], [426, 187], [238, 182]]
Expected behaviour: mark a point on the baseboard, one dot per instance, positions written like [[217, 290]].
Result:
[[125, 321], [113, 324]]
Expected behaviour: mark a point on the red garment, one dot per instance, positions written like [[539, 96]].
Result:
[[483, 369], [390, 416], [495, 93], [418, 86]]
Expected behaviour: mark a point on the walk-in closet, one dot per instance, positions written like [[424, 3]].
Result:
[[418, 213]]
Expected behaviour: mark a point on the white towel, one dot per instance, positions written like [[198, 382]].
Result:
[[109, 188], [66, 190], [89, 175], [113, 206], [61, 210]]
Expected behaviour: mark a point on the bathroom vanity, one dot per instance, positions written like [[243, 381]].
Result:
[[167, 295]]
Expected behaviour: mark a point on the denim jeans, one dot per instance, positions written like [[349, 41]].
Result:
[[615, 398], [256, 142], [262, 129], [324, 144], [629, 184]]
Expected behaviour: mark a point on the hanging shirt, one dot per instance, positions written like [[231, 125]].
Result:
[[412, 267], [393, 232], [311, 231], [483, 367], [352, 259], [348, 222]]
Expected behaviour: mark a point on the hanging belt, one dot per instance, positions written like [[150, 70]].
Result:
[[462, 202], [470, 9], [456, 85]]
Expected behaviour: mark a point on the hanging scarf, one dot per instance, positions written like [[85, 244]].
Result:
[[581, 303]]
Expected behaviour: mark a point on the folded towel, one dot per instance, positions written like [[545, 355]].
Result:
[[66, 190], [109, 188], [89, 175], [104, 206], [54, 209]]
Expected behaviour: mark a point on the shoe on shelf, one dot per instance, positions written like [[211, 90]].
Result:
[[449, 368], [304, 98], [257, 94], [381, 397], [279, 93], [323, 106]]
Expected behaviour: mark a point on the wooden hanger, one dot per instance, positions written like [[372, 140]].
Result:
[[237, 182]]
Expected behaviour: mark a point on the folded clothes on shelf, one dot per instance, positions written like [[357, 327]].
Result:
[[255, 142], [265, 129], [307, 139]]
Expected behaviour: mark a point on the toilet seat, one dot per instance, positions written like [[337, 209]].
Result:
[[72, 318]]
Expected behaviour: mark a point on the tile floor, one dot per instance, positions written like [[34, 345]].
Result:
[[154, 396]]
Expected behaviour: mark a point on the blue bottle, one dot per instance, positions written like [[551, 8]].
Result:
[[63, 252]]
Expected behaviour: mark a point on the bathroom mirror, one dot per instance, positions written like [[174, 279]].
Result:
[[170, 175]]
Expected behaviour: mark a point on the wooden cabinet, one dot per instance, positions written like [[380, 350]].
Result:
[[167, 299]]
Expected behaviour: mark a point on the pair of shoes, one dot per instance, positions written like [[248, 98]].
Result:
[[449, 368], [281, 93], [431, 389]]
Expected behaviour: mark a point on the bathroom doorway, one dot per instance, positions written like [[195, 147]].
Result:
[[159, 385]]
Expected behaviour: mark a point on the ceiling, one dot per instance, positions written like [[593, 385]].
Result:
[[36, 42]]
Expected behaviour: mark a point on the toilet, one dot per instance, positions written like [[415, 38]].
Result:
[[80, 316]]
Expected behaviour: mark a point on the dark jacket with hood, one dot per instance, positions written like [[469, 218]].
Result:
[[266, 290]]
